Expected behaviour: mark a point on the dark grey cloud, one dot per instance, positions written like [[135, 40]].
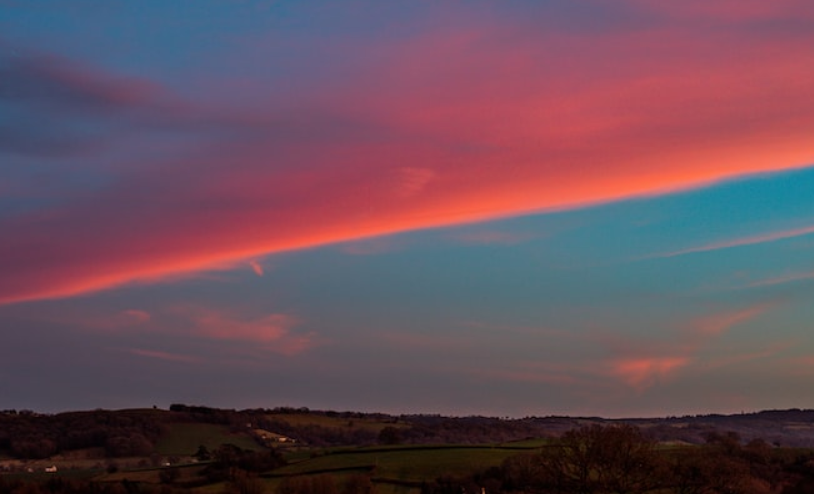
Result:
[[58, 84], [53, 107]]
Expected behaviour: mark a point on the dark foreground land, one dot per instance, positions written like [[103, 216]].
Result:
[[298, 451]]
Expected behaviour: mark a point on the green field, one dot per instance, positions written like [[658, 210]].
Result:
[[407, 463], [183, 439], [397, 469], [527, 444], [401, 469]]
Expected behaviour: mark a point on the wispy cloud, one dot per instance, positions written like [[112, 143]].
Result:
[[58, 82], [771, 350], [413, 180], [644, 363], [159, 355], [740, 242], [642, 373], [256, 267], [490, 118], [733, 10], [608, 361], [718, 323], [780, 280], [96, 320], [137, 315], [273, 332], [802, 365]]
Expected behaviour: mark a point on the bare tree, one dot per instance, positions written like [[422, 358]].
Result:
[[614, 459]]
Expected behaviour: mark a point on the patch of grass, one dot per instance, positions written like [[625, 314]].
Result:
[[527, 443], [152, 475], [183, 439], [411, 464]]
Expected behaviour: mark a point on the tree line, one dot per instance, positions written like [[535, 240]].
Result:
[[621, 459], [118, 434]]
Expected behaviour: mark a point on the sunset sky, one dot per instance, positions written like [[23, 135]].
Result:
[[503, 208]]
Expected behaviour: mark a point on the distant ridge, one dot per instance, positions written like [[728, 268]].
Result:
[[786, 427]]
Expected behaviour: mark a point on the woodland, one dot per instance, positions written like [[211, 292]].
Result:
[[299, 451]]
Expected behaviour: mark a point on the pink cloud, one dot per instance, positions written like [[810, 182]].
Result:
[[637, 364], [772, 350], [256, 267], [69, 84], [136, 315], [802, 366], [276, 332], [643, 363], [154, 354], [646, 362], [414, 180], [790, 278], [718, 323], [642, 373], [733, 10], [272, 332], [741, 241], [94, 320], [485, 120]]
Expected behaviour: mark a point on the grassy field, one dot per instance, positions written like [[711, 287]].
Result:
[[401, 469], [151, 475], [406, 463], [527, 444], [184, 439], [395, 469]]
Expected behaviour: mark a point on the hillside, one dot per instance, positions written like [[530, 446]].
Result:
[[196, 448]]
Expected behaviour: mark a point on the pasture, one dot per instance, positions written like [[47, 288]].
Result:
[[183, 439]]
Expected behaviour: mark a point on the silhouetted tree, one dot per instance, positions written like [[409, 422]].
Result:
[[389, 435], [203, 453], [614, 459]]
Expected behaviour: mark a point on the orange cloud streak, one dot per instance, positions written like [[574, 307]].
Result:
[[739, 242], [641, 373], [790, 278], [642, 364], [449, 128], [271, 332], [172, 357], [256, 267], [718, 323]]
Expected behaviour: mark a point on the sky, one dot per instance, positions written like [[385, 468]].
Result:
[[502, 208]]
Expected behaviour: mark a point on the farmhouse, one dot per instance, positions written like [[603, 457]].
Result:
[[269, 438]]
